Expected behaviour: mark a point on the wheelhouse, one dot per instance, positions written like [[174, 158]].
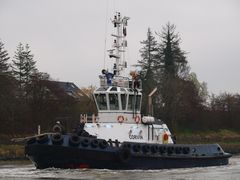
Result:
[[117, 99]]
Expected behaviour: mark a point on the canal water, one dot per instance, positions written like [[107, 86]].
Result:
[[28, 171]]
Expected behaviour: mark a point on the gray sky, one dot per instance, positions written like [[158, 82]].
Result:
[[67, 36]]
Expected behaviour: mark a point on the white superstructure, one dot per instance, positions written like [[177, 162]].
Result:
[[118, 100]]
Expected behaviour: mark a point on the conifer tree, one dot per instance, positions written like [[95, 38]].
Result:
[[7, 92], [172, 70], [4, 66], [23, 67], [148, 57], [30, 64], [171, 59]]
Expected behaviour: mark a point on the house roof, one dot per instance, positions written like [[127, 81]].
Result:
[[66, 89]]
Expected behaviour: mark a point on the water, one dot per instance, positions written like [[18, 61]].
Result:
[[28, 171]]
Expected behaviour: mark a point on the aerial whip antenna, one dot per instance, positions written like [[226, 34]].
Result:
[[105, 36]]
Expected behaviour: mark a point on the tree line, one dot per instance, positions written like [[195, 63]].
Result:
[[181, 100], [25, 99]]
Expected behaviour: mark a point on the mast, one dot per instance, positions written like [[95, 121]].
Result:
[[119, 44]]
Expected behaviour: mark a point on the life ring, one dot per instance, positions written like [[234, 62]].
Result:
[[165, 138], [137, 119], [120, 119]]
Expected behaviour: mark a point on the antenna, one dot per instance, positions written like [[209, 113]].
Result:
[[105, 37], [119, 43]]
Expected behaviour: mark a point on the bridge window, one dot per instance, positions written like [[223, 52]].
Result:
[[101, 101], [124, 101], [134, 102], [113, 101], [113, 89], [138, 103], [130, 102]]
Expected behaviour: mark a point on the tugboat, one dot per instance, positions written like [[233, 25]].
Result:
[[119, 137]]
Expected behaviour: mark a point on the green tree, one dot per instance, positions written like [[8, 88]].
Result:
[[171, 58], [201, 88], [225, 111], [6, 91], [23, 67], [147, 74], [172, 71], [4, 66]]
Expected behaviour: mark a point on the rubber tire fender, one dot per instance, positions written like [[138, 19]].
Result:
[[74, 140], [136, 147], [94, 143], [57, 139], [103, 144], [85, 142], [124, 155]]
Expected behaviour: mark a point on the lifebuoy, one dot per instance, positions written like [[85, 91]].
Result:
[[120, 119], [137, 119], [165, 138]]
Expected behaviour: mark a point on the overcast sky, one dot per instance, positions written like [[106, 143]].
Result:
[[67, 36]]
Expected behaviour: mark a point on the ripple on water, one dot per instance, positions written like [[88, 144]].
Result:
[[229, 172]]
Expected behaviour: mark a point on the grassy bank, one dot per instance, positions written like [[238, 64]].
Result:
[[12, 152], [229, 140]]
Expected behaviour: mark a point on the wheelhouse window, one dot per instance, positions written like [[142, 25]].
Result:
[[130, 102], [101, 101], [124, 101], [138, 103], [113, 89], [113, 101], [134, 102]]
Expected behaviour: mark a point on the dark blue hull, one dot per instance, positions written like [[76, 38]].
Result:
[[125, 156]]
